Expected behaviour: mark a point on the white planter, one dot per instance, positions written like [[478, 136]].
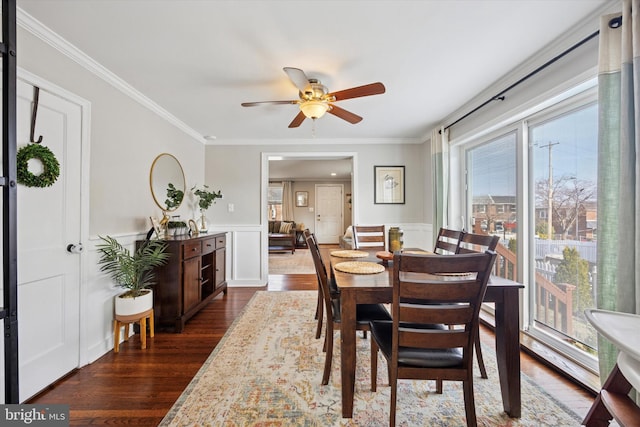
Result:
[[131, 306]]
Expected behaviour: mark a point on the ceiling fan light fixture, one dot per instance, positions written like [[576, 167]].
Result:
[[314, 109]]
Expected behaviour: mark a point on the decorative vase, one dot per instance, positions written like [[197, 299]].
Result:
[[395, 239], [203, 221], [127, 306]]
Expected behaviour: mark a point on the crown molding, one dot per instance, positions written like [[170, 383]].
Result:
[[44, 33]]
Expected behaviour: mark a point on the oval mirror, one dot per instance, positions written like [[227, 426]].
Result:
[[167, 182]]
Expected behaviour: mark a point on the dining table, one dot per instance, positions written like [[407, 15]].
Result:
[[377, 288]]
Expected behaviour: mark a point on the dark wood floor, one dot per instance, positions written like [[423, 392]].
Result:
[[138, 387]]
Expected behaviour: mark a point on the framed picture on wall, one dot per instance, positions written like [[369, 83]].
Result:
[[388, 184], [302, 199]]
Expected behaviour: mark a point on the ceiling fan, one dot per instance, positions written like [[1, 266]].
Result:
[[316, 100]]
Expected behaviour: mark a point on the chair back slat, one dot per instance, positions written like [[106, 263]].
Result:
[[441, 290], [452, 314], [474, 243], [368, 236], [418, 338]]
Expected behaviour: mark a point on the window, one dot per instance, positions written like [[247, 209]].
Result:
[[274, 202], [491, 172]]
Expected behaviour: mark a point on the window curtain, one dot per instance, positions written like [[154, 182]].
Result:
[[287, 201], [440, 177], [618, 280]]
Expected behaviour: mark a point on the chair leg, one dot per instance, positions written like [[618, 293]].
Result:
[[469, 403], [392, 409], [364, 335], [328, 356], [439, 386], [374, 364], [483, 370]]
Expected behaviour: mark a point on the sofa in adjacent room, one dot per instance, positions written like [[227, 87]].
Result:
[[282, 236]]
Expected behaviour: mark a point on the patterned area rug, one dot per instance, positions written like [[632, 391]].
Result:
[[299, 262], [267, 369]]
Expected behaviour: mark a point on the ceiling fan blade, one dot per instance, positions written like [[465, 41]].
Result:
[[357, 92], [298, 77], [297, 121], [253, 104], [344, 114]]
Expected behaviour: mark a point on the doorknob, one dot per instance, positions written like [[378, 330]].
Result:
[[75, 249]]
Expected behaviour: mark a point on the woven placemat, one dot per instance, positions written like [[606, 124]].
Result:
[[359, 267], [350, 254]]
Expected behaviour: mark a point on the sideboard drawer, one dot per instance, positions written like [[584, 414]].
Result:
[[208, 245], [191, 249], [221, 242]]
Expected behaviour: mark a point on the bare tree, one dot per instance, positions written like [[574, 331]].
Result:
[[568, 196]]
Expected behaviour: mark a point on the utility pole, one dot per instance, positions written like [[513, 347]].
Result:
[[550, 193]]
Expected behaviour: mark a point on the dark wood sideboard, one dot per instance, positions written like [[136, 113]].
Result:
[[194, 274]]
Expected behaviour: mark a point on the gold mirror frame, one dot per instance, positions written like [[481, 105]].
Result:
[[165, 170]]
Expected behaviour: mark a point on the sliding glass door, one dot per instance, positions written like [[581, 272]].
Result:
[[533, 183], [564, 231]]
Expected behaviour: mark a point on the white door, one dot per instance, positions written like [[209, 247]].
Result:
[[48, 221], [329, 211]]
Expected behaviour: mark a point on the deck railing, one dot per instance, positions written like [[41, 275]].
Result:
[[554, 302]]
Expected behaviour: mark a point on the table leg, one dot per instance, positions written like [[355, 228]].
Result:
[[348, 350], [508, 351]]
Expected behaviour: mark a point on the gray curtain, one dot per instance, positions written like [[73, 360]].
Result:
[[618, 280], [440, 176], [287, 201]]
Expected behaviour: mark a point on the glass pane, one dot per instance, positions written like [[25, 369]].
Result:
[[274, 202], [564, 152], [491, 181]]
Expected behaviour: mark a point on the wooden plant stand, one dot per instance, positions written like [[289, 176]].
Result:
[[120, 321]]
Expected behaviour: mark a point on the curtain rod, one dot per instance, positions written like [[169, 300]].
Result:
[[613, 23]]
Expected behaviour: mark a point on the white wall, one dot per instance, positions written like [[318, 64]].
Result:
[[237, 170], [125, 138]]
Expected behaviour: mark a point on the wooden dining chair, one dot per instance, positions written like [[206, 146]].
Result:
[[365, 313], [369, 237], [477, 243], [435, 311], [447, 241], [310, 239]]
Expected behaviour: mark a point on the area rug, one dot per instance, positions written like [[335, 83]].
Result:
[[267, 370], [299, 262]]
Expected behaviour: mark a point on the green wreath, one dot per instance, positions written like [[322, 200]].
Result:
[[49, 163]]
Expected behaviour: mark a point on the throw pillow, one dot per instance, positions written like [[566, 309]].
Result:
[[285, 227]]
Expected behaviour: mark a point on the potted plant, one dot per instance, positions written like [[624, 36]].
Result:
[[205, 199], [176, 228], [132, 272]]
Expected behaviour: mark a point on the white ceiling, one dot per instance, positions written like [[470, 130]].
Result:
[[200, 59]]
